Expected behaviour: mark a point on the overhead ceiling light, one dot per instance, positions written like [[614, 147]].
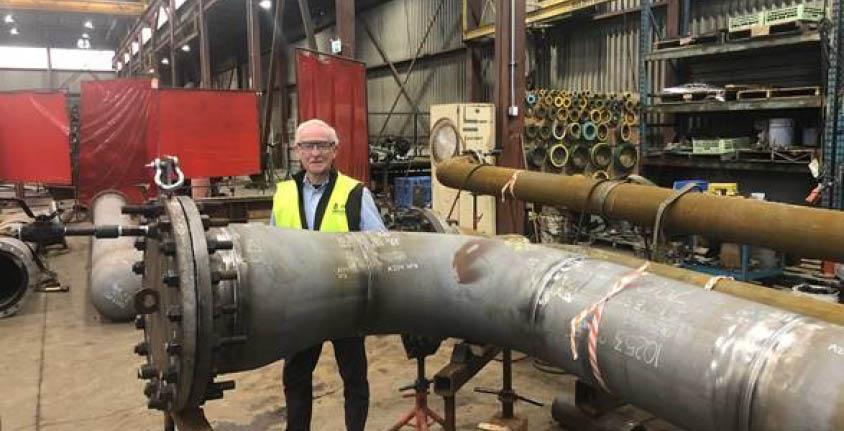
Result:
[[126, 57], [14, 31], [266, 4], [83, 44], [9, 19], [86, 36], [151, 70], [186, 48], [119, 66], [89, 24], [165, 61]]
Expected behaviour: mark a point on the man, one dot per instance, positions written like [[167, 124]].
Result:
[[320, 198]]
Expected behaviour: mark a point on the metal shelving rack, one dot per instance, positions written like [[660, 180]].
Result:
[[834, 123], [834, 118]]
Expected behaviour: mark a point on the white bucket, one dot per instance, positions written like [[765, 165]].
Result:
[[781, 132]]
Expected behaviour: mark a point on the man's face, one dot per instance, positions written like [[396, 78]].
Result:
[[317, 157]]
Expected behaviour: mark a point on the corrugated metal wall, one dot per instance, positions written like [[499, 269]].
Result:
[[603, 55], [438, 77], [579, 53], [400, 26], [13, 80]]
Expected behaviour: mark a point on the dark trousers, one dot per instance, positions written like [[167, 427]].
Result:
[[298, 384]]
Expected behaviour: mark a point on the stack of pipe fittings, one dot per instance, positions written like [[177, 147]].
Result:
[[581, 132]]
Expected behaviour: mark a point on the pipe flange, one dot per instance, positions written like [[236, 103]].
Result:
[[589, 131], [595, 116], [626, 157], [603, 132], [545, 133], [559, 130], [180, 341], [601, 155], [579, 157], [562, 115], [538, 155], [625, 132], [531, 99], [558, 155], [573, 131]]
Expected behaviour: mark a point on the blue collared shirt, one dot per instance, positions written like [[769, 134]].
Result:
[[370, 217]]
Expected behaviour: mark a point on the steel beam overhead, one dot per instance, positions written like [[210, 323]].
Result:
[[123, 8]]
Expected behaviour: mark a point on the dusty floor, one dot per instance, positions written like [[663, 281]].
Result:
[[64, 369]]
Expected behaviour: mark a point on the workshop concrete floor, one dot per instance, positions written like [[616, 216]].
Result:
[[62, 368]]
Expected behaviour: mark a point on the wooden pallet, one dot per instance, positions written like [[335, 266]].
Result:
[[731, 91], [695, 96], [770, 93], [779, 156], [699, 39], [690, 155], [761, 31], [795, 92]]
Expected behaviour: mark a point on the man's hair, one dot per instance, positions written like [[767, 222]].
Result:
[[316, 130]]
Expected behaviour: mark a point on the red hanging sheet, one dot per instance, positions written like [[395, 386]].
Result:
[[114, 117], [34, 138], [214, 133], [333, 89]]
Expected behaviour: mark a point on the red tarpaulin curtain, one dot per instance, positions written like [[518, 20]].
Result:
[[127, 123], [113, 138], [333, 89], [214, 133], [34, 138]]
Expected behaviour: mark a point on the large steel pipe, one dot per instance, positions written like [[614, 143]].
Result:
[[701, 359], [18, 274], [807, 232], [113, 284]]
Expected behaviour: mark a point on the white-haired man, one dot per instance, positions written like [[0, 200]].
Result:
[[320, 198]]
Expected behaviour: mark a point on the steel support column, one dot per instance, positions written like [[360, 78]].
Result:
[[277, 67], [509, 95], [645, 41], [204, 48], [174, 74], [253, 41], [308, 24], [674, 14], [831, 152], [345, 17]]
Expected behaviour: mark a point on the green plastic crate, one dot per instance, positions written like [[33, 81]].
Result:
[[793, 14], [745, 22], [718, 146], [706, 146]]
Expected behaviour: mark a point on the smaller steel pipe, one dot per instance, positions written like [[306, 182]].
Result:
[[804, 231], [113, 283]]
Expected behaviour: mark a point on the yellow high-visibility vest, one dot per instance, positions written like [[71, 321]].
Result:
[[338, 214]]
